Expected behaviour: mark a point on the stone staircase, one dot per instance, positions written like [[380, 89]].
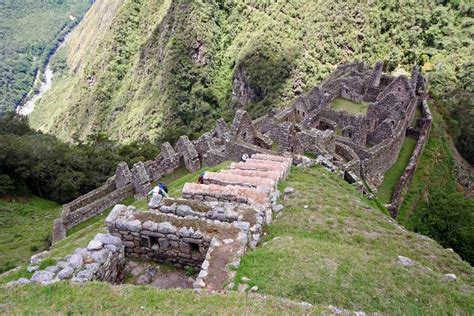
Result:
[[251, 182], [249, 187]]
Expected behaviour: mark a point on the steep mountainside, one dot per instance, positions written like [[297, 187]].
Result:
[[156, 69], [29, 31]]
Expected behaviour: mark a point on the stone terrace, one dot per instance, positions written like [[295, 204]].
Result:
[[211, 228]]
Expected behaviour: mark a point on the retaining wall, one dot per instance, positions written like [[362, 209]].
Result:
[[403, 184]]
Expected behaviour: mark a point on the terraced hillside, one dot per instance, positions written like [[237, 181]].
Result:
[[329, 246]]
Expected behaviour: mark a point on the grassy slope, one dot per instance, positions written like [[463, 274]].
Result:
[[339, 251], [343, 251], [385, 191], [25, 228], [435, 171], [132, 300], [146, 84]]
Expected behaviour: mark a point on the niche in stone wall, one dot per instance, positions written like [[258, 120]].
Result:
[[194, 247]]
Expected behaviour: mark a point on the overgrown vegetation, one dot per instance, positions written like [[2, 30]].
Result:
[[433, 205], [29, 32], [330, 246], [167, 68], [35, 163]]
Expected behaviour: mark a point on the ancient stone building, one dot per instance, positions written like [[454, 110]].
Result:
[[362, 138], [366, 142]]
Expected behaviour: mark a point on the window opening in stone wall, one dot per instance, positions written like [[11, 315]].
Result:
[[153, 241], [146, 242], [194, 247]]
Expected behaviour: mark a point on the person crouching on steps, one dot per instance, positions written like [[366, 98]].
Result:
[[160, 189]]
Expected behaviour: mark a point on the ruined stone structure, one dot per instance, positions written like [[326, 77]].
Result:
[[366, 144], [211, 227], [214, 223], [363, 146]]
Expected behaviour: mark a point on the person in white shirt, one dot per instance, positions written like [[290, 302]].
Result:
[[244, 157]]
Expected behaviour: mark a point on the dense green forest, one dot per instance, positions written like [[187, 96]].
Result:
[[39, 164], [29, 32]]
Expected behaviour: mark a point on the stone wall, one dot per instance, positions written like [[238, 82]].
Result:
[[405, 180], [317, 142], [385, 154], [72, 218], [92, 196], [164, 237], [125, 184], [102, 260], [352, 161]]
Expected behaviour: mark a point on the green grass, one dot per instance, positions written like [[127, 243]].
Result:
[[178, 173], [343, 251], [390, 180], [434, 172], [352, 107], [25, 229], [103, 298]]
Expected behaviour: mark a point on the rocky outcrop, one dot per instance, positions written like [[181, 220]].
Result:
[[243, 93]]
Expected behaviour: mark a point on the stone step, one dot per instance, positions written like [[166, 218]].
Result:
[[254, 173], [262, 165], [228, 193], [284, 166], [272, 158], [263, 184]]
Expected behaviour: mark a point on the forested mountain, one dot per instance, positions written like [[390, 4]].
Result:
[[156, 69], [29, 31]]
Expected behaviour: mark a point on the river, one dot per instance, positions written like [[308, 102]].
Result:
[[29, 105]]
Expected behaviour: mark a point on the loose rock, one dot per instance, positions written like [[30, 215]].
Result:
[[76, 261], [289, 190], [407, 262], [450, 277], [42, 277], [65, 273], [242, 287], [277, 208]]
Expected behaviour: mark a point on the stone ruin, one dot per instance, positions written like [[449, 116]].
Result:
[[209, 229], [364, 145], [226, 214], [212, 226]]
